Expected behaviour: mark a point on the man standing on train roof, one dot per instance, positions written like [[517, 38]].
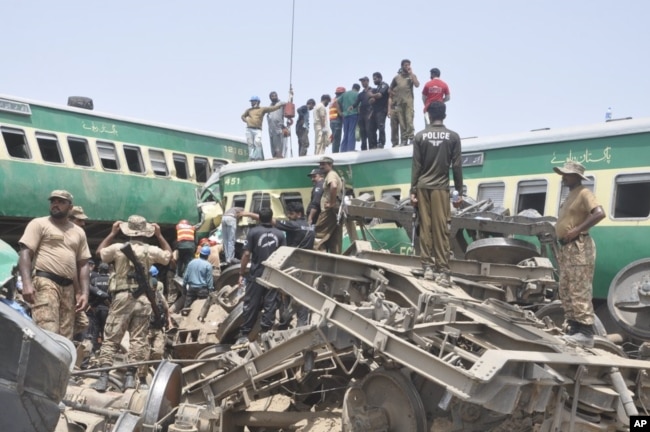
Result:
[[127, 313], [435, 90], [253, 118], [261, 242], [185, 245], [322, 131], [577, 255], [328, 227], [348, 106], [313, 209], [365, 110], [435, 149], [401, 91], [379, 99], [277, 127], [302, 126], [54, 252], [336, 120]]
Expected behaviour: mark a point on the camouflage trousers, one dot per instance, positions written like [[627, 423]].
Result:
[[156, 340], [576, 261], [53, 308], [132, 315]]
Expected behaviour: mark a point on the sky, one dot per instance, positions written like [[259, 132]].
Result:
[[511, 66]]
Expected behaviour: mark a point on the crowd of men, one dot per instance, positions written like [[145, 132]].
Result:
[[357, 114]]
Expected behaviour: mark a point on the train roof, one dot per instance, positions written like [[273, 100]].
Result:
[[99, 114], [541, 136]]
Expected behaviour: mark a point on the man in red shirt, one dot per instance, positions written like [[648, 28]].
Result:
[[435, 90]]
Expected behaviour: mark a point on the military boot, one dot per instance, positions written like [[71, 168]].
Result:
[[129, 378], [101, 385], [429, 274], [584, 336]]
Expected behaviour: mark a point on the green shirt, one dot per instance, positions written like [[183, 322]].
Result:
[[346, 103]]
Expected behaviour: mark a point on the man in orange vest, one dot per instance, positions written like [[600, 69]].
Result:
[[336, 120], [185, 245]]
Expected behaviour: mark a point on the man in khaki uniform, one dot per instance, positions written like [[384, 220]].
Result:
[[579, 212], [53, 253], [328, 228], [127, 313], [401, 96]]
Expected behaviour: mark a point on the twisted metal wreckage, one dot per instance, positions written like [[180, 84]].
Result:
[[395, 351]]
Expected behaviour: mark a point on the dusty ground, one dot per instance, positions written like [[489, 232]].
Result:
[[328, 421]]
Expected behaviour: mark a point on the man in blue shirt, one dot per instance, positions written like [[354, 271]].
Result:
[[198, 279]]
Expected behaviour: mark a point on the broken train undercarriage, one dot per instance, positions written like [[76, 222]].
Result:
[[398, 353]]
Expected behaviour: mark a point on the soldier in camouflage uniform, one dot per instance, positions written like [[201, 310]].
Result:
[[157, 336], [579, 212], [54, 253], [127, 313]]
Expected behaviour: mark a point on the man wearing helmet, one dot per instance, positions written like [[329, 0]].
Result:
[[253, 118], [198, 279]]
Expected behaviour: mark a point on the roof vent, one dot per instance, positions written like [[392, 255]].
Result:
[[81, 102]]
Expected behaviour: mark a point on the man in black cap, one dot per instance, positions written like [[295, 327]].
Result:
[[328, 228], [313, 209]]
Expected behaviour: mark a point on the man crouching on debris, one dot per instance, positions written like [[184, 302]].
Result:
[[261, 242]]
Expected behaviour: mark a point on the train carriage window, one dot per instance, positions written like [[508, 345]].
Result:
[[395, 194], [291, 197], [180, 165], [239, 201], [108, 156], [493, 191], [366, 195], [133, 159], [158, 163], [49, 147], [217, 164], [260, 200], [201, 169], [80, 151], [531, 194], [564, 190], [630, 196], [16, 143]]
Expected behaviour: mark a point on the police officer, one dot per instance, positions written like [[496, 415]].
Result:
[[261, 242], [99, 303]]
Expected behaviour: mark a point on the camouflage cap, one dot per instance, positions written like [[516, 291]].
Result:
[[137, 226], [315, 171], [63, 194], [326, 159], [572, 168], [77, 212]]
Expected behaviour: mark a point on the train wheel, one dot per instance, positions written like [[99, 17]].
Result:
[[383, 400], [629, 298]]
